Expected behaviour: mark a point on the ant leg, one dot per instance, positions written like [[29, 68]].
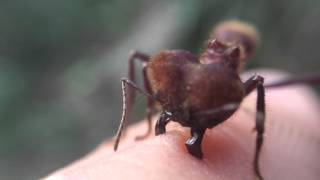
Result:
[[149, 121], [193, 144], [150, 103], [134, 55], [250, 85], [131, 74], [160, 128], [124, 82]]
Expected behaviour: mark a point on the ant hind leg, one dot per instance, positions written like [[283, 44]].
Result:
[[250, 85], [150, 104], [134, 55], [144, 58], [149, 120]]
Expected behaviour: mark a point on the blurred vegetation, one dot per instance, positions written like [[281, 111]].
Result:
[[61, 61]]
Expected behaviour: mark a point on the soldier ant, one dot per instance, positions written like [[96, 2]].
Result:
[[201, 92]]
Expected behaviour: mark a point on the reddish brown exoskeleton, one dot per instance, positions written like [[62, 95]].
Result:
[[201, 92]]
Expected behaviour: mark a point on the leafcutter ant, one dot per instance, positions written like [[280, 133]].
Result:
[[201, 92]]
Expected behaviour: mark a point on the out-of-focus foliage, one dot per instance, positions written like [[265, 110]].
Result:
[[61, 61]]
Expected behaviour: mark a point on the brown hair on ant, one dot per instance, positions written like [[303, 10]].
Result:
[[201, 92]]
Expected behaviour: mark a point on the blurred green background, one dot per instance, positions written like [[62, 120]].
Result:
[[61, 64]]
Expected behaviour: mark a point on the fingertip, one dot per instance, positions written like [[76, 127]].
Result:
[[291, 144]]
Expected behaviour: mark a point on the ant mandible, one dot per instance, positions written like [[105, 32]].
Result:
[[203, 92]]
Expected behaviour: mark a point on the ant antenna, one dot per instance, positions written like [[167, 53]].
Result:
[[124, 116]]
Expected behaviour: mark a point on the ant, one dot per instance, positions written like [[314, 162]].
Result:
[[202, 92]]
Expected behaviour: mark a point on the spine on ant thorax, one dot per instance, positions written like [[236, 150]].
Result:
[[224, 40], [236, 33]]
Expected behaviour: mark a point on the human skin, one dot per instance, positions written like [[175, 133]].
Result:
[[290, 150]]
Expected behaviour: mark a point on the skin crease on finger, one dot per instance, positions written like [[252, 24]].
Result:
[[290, 150]]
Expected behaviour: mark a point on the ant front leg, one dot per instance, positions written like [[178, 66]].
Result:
[[250, 85], [135, 55], [193, 144], [160, 128]]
